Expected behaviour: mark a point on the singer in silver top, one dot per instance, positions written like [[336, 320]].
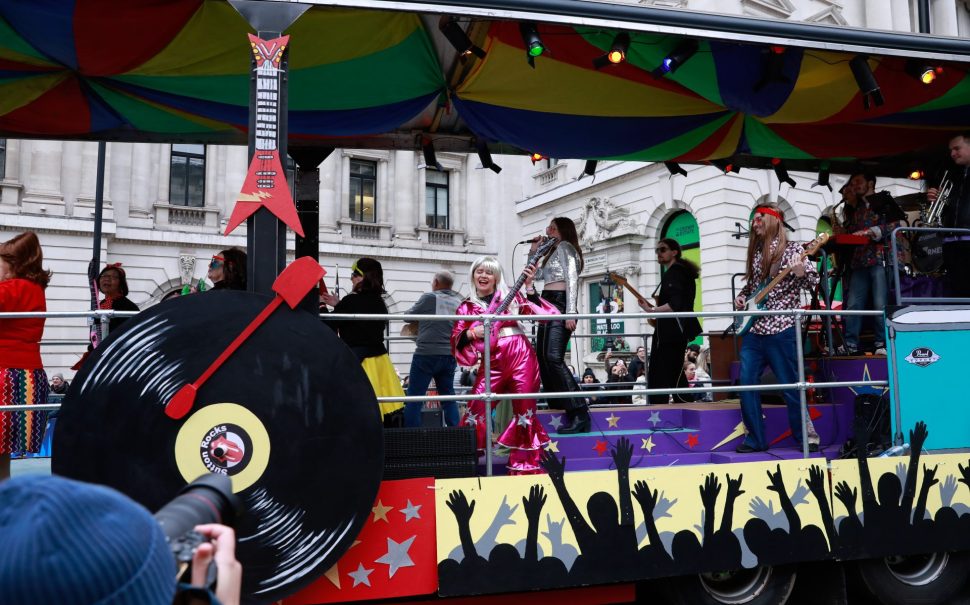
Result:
[[560, 274]]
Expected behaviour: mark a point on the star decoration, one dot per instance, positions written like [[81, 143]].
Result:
[[522, 420], [333, 574], [867, 390], [648, 444], [600, 447], [613, 420], [654, 418], [691, 440], [556, 422], [411, 512], [397, 556], [360, 576], [553, 447], [380, 512], [471, 420]]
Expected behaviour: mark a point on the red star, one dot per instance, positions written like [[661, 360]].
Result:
[[600, 447], [691, 440]]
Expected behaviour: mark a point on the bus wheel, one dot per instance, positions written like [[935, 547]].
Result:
[[925, 579], [762, 585]]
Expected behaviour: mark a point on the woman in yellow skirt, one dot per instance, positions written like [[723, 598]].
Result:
[[366, 338]]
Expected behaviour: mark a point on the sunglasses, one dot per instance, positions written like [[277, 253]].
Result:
[[216, 262]]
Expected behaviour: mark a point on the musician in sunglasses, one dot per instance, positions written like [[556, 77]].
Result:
[[771, 339], [227, 270]]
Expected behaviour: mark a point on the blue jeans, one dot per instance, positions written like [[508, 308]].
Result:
[[862, 282], [423, 369], [777, 351]]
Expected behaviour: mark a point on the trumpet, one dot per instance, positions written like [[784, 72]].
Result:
[[934, 213]]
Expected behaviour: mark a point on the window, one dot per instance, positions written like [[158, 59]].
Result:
[[363, 191], [436, 199], [186, 183], [3, 158]]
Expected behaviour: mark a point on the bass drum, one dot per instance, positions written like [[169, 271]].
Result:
[[927, 253]]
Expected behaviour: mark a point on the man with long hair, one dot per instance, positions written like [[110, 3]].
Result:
[[771, 340]]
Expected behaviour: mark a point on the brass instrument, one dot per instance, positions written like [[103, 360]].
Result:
[[933, 215]]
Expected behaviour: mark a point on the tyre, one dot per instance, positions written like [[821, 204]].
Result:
[[762, 585], [927, 579]]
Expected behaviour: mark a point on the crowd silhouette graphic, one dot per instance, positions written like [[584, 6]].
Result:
[[893, 520]]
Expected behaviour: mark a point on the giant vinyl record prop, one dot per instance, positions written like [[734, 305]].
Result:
[[290, 417]]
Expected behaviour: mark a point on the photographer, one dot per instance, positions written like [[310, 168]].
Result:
[[65, 541]]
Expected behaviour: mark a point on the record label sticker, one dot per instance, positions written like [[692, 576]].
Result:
[[223, 438]]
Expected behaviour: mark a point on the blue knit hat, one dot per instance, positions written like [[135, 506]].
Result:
[[63, 541]]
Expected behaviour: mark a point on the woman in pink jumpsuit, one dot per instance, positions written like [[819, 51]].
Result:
[[514, 367]]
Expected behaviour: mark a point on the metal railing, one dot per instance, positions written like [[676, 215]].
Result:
[[488, 396]]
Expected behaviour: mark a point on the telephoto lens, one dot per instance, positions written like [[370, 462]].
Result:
[[208, 499]]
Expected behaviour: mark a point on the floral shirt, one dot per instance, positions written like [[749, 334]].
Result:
[[786, 294]]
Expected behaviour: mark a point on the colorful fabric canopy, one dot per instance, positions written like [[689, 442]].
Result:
[[179, 70]]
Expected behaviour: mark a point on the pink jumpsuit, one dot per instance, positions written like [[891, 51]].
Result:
[[515, 369]]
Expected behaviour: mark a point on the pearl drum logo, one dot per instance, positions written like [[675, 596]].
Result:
[[225, 449], [922, 357], [223, 438]]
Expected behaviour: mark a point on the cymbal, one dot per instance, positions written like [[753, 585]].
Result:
[[911, 201]]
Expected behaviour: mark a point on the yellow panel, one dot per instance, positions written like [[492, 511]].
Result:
[[20, 92], [825, 85]]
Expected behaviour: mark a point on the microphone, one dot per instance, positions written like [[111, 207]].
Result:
[[535, 239]]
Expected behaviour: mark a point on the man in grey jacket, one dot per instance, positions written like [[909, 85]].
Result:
[[432, 356]]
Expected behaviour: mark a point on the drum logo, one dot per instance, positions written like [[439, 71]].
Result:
[[225, 449], [922, 357]]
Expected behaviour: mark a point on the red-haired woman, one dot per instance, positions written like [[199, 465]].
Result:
[[22, 377]]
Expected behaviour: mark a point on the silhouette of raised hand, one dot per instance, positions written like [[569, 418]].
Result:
[[929, 476], [901, 473], [554, 533], [929, 480], [777, 484], [965, 474], [847, 496], [798, 496], [460, 507], [662, 509], [555, 467], [532, 505], [709, 493], [734, 487], [816, 482], [647, 499], [622, 453], [917, 437], [948, 489]]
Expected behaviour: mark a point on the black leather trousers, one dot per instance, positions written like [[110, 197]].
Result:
[[551, 340]]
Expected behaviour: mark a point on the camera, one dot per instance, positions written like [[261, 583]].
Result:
[[208, 499]]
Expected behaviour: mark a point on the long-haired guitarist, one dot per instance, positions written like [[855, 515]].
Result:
[[514, 367], [675, 293], [560, 276], [771, 339]]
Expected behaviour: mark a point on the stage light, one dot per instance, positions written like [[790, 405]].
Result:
[[923, 72], [485, 156], [774, 68], [589, 169], [672, 62], [866, 81], [617, 53], [916, 175], [533, 43], [726, 166], [536, 157], [430, 160], [675, 168], [823, 176], [458, 38], [781, 172]]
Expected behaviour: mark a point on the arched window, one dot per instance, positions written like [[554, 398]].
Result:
[[682, 228]]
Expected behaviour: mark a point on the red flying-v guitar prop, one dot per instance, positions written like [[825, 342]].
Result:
[[290, 286], [265, 185]]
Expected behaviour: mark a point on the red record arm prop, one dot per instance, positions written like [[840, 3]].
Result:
[[290, 286]]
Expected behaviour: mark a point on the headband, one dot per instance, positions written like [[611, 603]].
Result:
[[768, 211], [116, 266]]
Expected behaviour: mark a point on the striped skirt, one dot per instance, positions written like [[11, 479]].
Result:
[[22, 432]]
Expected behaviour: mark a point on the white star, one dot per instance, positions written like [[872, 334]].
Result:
[[471, 420], [397, 556], [523, 420], [360, 576], [528, 413], [654, 418], [556, 422], [411, 511]]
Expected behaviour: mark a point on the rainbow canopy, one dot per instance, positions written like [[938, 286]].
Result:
[[179, 70]]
